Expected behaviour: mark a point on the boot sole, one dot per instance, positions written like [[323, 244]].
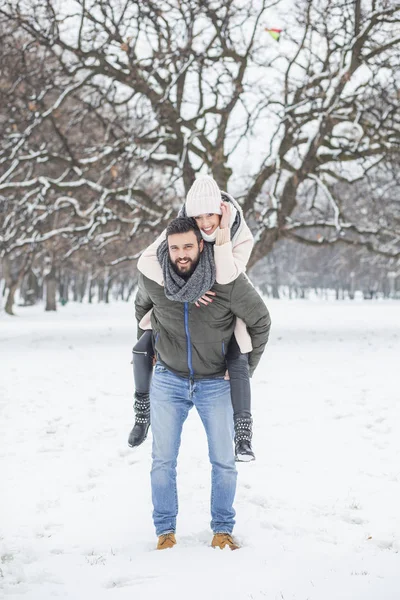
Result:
[[244, 458], [137, 445]]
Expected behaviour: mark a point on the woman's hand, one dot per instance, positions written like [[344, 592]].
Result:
[[225, 215], [205, 299]]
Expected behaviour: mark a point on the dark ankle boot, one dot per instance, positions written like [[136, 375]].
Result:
[[243, 436], [142, 420]]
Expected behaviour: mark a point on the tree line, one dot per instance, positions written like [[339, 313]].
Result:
[[110, 108]]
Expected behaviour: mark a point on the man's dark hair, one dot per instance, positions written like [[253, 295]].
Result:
[[184, 225]]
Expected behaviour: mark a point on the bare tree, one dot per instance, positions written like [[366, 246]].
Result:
[[63, 186], [187, 80]]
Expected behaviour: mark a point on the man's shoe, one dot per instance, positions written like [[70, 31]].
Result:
[[222, 540], [243, 436], [142, 420], [243, 451], [166, 540]]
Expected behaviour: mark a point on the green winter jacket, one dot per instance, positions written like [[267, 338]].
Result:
[[191, 341]]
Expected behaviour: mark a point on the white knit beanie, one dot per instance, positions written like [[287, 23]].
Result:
[[203, 197]]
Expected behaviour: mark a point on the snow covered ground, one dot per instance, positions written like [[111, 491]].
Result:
[[317, 513]]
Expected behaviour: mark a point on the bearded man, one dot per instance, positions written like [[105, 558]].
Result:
[[190, 346]]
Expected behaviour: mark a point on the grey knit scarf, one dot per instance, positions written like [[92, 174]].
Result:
[[201, 280]]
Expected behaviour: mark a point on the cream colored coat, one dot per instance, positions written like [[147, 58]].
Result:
[[231, 258]]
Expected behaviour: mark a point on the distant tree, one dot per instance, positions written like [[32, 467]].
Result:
[[62, 186]]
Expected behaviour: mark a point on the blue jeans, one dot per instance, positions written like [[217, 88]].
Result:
[[171, 398]]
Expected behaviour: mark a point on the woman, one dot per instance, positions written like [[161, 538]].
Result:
[[220, 220]]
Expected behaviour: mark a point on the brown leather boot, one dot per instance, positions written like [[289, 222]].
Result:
[[221, 540], [166, 540]]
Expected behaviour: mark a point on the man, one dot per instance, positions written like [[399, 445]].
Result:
[[190, 345]]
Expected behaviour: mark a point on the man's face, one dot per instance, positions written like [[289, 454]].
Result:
[[184, 252]]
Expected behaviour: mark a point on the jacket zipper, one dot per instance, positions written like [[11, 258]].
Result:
[[188, 342]]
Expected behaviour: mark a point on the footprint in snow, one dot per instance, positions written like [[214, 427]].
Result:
[[117, 582], [87, 487], [353, 520], [385, 544], [273, 526], [93, 473], [340, 416], [259, 501]]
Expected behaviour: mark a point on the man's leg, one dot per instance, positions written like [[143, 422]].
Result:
[[212, 399], [170, 405]]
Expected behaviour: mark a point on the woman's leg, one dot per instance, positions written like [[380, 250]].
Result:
[[142, 360], [238, 368]]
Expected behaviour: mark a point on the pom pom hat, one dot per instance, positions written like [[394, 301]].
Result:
[[203, 197]]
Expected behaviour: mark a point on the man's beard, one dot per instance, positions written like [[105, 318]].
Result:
[[187, 273]]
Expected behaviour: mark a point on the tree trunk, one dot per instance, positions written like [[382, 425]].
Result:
[[392, 284], [90, 290], [275, 279], [30, 289], [100, 286], [221, 172], [130, 291], [108, 285], [13, 278], [82, 287], [121, 292], [75, 285], [51, 288], [352, 290], [263, 246], [63, 289], [10, 298]]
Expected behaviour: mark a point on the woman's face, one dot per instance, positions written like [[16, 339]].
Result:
[[208, 223]]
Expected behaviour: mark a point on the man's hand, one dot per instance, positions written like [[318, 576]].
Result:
[[226, 376], [225, 215], [205, 299]]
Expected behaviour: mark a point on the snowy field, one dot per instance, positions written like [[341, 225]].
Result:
[[317, 513]]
